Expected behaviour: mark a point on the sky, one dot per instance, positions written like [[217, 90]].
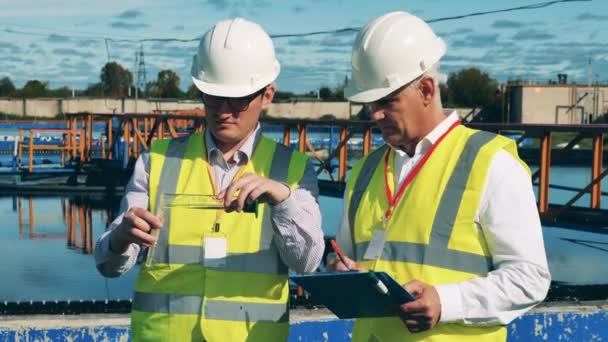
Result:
[[65, 42]]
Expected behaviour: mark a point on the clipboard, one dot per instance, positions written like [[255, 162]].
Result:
[[354, 294]]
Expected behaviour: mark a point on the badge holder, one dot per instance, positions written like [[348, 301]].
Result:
[[214, 247]]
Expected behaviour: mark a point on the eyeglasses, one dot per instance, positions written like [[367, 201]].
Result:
[[390, 98], [236, 104]]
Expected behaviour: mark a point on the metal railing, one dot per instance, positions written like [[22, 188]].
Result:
[[70, 146], [126, 135]]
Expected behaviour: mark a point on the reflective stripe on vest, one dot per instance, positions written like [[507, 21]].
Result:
[[171, 166], [365, 175], [214, 309], [436, 253], [265, 261]]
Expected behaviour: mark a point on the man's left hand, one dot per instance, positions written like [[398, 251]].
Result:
[[423, 313], [251, 187]]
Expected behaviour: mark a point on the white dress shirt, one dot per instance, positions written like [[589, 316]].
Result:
[[508, 218], [296, 221]]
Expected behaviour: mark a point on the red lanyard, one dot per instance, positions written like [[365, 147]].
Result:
[[393, 200]]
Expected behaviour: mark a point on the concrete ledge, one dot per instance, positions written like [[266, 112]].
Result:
[[550, 322]]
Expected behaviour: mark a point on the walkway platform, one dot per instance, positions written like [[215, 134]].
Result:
[[586, 321]]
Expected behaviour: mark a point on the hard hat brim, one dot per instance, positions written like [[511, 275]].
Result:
[[226, 90], [367, 96]]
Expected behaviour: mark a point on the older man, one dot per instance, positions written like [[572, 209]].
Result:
[[446, 210]]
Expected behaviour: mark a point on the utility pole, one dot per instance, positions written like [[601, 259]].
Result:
[[136, 83], [590, 78], [140, 73]]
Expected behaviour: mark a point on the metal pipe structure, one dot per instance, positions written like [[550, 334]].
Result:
[[162, 125]]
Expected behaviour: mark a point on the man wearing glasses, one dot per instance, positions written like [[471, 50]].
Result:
[[220, 275]]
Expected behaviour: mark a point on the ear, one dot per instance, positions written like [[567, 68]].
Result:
[[427, 88], [268, 95]]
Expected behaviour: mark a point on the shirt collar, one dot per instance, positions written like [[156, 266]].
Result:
[[428, 141], [241, 156]]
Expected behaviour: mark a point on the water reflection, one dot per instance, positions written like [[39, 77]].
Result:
[[49, 241], [76, 215]]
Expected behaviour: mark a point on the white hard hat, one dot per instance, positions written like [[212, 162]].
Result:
[[389, 52], [235, 58]]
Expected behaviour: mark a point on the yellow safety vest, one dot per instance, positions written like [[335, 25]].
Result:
[[243, 298], [432, 235]]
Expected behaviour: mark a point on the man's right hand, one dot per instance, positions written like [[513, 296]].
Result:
[[336, 265], [134, 228]]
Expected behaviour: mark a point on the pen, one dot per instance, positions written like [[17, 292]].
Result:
[[338, 251], [378, 283]]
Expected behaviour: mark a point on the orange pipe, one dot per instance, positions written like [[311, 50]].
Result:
[[127, 137], [302, 138], [596, 170], [287, 135], [103, 146], [73, 138], [367, 140], [110, 140], [545, 165], [89, 132], [74, 223], [63, 144], [135, 140], [83, 139], [146, 123], [343, 148], [160, 133], [82, 146], [83, 227]]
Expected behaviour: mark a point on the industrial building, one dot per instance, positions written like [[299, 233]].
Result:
[[554, 103]]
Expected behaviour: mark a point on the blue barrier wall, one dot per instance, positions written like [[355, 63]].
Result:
[[543, 326]]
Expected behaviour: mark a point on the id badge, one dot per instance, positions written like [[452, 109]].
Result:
[[375, 247], [215, 248]]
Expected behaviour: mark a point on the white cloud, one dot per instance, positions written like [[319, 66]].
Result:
[[63, 8]]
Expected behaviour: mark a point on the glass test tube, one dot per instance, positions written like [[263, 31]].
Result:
[[188, 201]]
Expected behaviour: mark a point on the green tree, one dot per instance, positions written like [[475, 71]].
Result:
[[94, 90], [115, 80], [193, 93], [168, 84], [471, 88], [34, 88], [328, 94], [7, 88], [61, 92], [283, 96], [443, 90], [152, 89], [325, 93]]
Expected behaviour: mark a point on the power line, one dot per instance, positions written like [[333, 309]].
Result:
[[313, 33], [80, 34], [356, 29], [526, 7]]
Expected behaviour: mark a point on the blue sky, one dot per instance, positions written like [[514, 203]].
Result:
[[62, 41]]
